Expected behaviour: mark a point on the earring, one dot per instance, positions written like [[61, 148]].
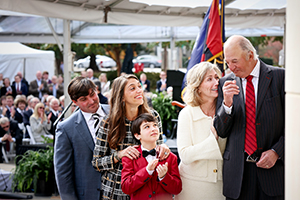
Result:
[[123, 103]]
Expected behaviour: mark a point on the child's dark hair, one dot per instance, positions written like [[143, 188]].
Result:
[[136, 124]]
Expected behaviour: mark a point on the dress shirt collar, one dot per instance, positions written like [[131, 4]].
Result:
[[255, 71], [88, 116]]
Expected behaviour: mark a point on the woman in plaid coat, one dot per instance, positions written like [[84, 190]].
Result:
[[114, 138]]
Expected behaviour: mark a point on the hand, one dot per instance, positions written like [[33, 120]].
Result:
[[162, 170], [229, 89], [267, 159], [131, 152], [49, 117], [9, 138], [4, 111], [41, 86], [163, 86], [151, 165], [213, 130], [164, 151], [13, 112], [4, 138]]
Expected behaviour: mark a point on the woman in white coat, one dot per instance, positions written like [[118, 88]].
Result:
[[200, 149]]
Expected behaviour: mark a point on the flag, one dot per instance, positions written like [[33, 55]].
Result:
[[209, 42]]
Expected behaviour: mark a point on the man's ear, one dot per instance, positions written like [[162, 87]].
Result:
[[137, 136], [74, 102]]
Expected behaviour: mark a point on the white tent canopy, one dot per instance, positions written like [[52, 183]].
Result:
[[35, 29], [16, 57], [239, 13]]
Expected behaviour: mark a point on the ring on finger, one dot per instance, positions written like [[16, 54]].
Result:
[[166, 153], [129, 152]]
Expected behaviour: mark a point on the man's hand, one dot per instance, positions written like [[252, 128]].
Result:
[[267, 159], [151, 165], [229, 90]]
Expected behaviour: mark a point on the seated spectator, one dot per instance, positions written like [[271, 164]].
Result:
[[1, 80], [54, 110], [6, 88], [38, 87], [145, 82], [40, 124], [102, 99], [161, 85], [30, 109], [20, 105], [56, 89], [90, 74], [45, 76], [3, 108], [62, 103], [47, 103], [9, 132], [10, 107], [105, 84], [19, 87], [23, 80]]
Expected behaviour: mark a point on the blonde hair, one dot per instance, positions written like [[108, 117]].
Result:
[[35, 112], [194, 79]]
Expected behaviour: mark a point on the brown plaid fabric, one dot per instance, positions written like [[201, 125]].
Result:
[[103, 159]]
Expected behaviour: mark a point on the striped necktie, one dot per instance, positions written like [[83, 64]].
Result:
[[250, 137]]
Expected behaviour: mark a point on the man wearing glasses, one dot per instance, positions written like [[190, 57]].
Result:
[[9, 132]]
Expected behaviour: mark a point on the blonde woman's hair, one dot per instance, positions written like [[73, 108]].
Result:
[[35, 112], [194, 79]]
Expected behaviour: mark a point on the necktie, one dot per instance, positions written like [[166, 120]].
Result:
[[96, 118], [151, 152], [250, 136]]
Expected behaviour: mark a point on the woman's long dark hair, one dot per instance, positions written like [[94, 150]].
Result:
[[116, 124]]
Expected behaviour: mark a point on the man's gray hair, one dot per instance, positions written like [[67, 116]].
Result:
[[4, 120]]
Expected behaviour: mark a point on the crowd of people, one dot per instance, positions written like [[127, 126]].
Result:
[[36, 104], [230, 135]]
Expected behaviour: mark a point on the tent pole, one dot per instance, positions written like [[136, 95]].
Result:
[[67, 63], [54, 34]]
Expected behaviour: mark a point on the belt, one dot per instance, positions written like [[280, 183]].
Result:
[[251, 158]]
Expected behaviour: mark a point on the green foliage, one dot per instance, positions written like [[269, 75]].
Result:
[[30, 166], [162, 103]]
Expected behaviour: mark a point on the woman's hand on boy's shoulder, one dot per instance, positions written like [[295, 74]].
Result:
[[163, 151]]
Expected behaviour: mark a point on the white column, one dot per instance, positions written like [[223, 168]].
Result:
[[292, 119], [68, 62]]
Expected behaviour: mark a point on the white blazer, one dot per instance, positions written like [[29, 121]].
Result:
[[199, 151]]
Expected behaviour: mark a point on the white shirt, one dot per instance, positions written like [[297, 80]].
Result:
[[149, 158], [90, 121], [255, 79]]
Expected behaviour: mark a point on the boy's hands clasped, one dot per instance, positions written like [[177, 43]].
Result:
[[160, 169]]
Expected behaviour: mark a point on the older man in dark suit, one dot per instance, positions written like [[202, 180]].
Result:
[[75, 142], [38, 87], [251, 115]]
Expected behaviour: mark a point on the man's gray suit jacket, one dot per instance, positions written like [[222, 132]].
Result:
[[73, 152]]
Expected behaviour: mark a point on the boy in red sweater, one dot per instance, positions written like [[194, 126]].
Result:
[[147, 177]]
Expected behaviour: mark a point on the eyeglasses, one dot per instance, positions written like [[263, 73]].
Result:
[[5, 126], [41, 108]]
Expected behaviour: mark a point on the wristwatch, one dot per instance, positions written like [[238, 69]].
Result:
[[115, 154]]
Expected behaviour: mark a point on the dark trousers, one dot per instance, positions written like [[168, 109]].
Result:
[[251, 189]]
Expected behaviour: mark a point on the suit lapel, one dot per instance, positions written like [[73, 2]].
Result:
[[265, 79], [83, 130], [238, 100]]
